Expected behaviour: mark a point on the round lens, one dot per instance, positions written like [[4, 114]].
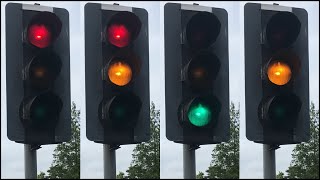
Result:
[[279, 73], [120, 73], [39, 35], [119, 35], [199, 115]]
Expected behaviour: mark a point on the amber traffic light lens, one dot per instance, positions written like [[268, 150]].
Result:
[[279, 73], [43, 69], [120, 73]]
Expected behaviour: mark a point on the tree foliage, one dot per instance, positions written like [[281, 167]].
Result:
[[66, 157], [146, 156], [225, 156], [305, 156]]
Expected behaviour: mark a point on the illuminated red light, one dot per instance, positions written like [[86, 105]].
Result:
[[119, 35], [39, 35]]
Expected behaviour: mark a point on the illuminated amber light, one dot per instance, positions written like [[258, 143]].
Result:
[[279, 73], [120, 73]]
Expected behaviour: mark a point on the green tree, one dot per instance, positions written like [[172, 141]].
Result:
[[225, 156], [66, 157], [280, 175], [121, 175], [200, 175], [146, 156], [305, 156]]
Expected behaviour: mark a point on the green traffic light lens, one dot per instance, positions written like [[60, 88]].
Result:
[[199, 115], [124, 110], [40, 112], [44, 110], [278, 112], [120, 112], [283, 110]]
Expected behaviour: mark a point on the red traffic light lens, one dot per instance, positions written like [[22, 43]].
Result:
[[119, 35], [43, 29], [39, 35], [122, 29], [202, 30], [282, 30]]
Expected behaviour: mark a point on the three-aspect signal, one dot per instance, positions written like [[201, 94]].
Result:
[[39, 97], [196, 65], [117, 74], [279, 97]]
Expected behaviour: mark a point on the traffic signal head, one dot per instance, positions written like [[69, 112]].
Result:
[[117, 74], [196, 74], [277, 74], [38, 74]]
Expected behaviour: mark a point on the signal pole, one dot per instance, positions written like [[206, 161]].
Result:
[[30, 161], [109, 161], [269, 161], [189, 161]]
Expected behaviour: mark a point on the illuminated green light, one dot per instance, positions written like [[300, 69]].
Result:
[[199, 115]]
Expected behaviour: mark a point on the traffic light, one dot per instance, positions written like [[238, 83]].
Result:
[[196, 74], [38, 74], [276, 74], [117, 74]]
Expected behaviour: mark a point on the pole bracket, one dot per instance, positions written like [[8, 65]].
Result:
[[35, 147], [114, 147], [274, 147], [193, 147]]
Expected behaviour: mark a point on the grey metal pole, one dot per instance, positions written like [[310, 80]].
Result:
[[189, 162], [30, 162], [269, 162], [109, 162]]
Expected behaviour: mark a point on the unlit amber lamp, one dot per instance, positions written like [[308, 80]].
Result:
[[39, 72], [120, 73], [279, 73]]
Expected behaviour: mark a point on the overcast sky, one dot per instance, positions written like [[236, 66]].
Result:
[[12, 157]]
